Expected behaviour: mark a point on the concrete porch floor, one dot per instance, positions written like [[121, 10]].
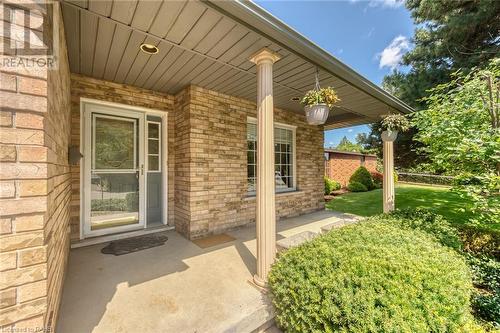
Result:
[[177, 287]]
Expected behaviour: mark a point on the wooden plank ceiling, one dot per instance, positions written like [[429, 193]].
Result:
[[197, 45]]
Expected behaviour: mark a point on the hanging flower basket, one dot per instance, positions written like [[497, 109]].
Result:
[[389, 135], [318, 102], [316, 114], [392, 124]]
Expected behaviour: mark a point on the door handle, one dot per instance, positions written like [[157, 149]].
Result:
[[142, 169]]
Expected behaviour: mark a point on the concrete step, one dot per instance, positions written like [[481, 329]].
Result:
[[297, 239], [258, 321], [346, 219]]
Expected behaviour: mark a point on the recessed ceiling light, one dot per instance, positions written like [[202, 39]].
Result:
[[295, 99], [149, 49]]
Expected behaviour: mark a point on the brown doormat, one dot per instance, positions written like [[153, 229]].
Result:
[[134, 244], [213, 240]]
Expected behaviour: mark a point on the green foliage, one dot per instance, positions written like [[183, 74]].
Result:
[[395, 122], [356, 187], [485, 269], [486, 277], [433, 224], [450, 35], [129, 204], [363, 176], [346, 145], [461, 133], [371, 277], [326, 96], [487, 307], [480, 241], [116, 205], [407, 151], [378, 178], [331, 185]]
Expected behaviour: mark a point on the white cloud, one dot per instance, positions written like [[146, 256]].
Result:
[[381, 3], [386, 3], [350, 130], [392, 54]]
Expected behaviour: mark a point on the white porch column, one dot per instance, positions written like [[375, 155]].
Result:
[[266, 213], [388, 183]]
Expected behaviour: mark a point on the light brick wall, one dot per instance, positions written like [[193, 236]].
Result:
[[207, 156], [211, 183], [86, 87], [340, 166], [35, 189]]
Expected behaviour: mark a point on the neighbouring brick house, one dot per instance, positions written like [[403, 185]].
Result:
[[340, 165], [148, 122]]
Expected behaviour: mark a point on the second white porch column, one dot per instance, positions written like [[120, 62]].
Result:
[[266, 213], [388, 183]]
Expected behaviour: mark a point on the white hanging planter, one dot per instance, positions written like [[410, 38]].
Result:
[[316, 114], [389, 135]]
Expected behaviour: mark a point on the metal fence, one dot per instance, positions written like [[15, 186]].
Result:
[[424, 178]]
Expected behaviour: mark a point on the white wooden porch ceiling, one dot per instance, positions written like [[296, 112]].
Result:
[[198, 45]]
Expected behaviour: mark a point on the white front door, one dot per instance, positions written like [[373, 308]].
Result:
[[113, 177]]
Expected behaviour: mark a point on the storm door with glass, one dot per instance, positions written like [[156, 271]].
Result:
[[114, 168]]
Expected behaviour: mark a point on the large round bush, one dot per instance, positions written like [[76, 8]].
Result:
[[363, 176], [356, 187], [371, 277]]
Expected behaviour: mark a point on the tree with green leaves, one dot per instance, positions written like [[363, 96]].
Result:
[[346, 145], [451, 35], [460, 130]]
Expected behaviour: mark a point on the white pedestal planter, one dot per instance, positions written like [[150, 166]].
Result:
[[316, 114]]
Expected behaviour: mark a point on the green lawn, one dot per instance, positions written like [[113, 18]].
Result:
[[438, 199]]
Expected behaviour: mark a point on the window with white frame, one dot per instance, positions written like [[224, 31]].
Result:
[[154, 146], [284, 159]]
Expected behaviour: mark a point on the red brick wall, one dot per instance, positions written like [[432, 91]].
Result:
[[340, 166]]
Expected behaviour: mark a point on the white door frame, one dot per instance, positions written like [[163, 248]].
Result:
[[140, 113]]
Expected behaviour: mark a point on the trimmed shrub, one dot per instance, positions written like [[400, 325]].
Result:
[[371, 277], [356, 187], [331, 185], [362, 175], [378, 177], [429, 222], [485, 269]]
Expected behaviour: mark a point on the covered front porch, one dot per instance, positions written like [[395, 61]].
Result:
[[177, 287]]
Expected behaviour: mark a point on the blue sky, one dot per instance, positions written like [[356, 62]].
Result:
[[370, 36]]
